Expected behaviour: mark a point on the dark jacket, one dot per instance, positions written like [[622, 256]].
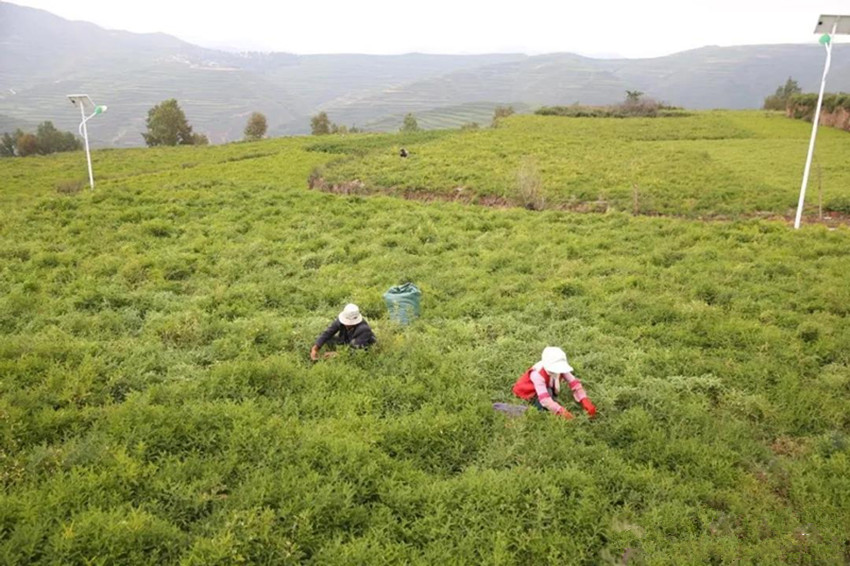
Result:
[[359, 336]]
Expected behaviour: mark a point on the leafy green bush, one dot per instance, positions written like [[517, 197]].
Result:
[[46, 140], [782, 97], [802, 106], [642, 108]]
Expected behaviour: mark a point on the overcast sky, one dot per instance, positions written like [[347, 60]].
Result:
[[637, 28]]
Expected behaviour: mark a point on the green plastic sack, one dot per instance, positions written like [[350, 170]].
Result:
[[403, 302]]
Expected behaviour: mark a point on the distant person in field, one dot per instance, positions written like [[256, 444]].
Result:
[[541, 384], [347, 329]]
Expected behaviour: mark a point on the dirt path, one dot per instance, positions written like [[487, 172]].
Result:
[[830, 219]]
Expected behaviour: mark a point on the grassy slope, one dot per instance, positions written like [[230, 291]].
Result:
[[713, 163], [156, 404]]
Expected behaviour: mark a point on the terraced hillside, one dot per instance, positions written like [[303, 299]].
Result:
[[445, 118]]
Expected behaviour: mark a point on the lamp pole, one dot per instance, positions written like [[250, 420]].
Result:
[[85, 133], [83, 100], [826, 41]]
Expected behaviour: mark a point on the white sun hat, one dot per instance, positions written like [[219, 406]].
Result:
[[350, 315], [555, 360]]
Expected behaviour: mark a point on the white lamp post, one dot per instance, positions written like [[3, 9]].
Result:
[[85, 103], [829, 26]]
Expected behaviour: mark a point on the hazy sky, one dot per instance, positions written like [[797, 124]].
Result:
[[637, 28]]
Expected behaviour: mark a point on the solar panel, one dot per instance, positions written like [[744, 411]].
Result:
[[82, 99], [826, 24]]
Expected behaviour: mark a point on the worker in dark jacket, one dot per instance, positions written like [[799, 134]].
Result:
[[348, 328]]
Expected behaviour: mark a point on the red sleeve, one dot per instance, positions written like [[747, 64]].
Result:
[[575, 387]]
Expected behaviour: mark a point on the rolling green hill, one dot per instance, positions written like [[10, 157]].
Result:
[[44, 57], [704, 164], [157, 403]]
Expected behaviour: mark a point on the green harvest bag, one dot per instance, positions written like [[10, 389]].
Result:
[[403, 302]]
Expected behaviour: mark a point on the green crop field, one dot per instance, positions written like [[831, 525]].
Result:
[[158, 406], [712, 164]]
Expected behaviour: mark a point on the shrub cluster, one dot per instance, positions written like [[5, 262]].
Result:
[[167, 125], [46, 139], [780, 99], [644, 108], [321, 125], [802, 106]]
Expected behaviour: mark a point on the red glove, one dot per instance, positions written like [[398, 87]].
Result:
[[589, 407], [566, 414]]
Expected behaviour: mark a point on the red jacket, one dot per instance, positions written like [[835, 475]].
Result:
[[524, 388]]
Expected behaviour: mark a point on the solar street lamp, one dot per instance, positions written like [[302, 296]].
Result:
[[86, 105], [828, 26]]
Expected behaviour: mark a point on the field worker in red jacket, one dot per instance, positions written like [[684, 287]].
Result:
[[347, 329], [541, 384]]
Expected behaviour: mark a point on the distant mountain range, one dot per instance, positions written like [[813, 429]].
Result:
[[44, 57]]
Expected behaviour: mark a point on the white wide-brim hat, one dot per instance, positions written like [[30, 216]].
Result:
[[350, 315], [555, 360]]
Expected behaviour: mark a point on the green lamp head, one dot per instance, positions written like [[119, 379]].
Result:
[[825, 39]]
